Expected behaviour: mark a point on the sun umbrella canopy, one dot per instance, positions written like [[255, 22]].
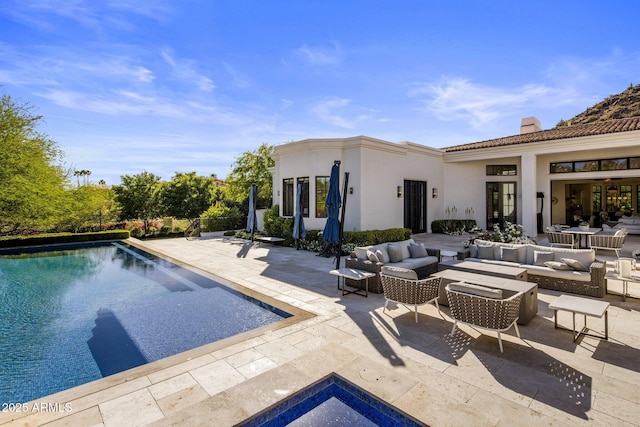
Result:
[[333, 202], [298, 222], [252, 220]]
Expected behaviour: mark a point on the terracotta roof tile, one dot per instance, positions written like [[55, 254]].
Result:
[[566, 132]]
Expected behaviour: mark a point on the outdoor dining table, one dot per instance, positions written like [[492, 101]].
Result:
[[582, 233]]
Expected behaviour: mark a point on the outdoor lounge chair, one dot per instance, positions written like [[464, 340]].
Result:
[[557, 238], [608, 241], [473, 305], [402, 286]]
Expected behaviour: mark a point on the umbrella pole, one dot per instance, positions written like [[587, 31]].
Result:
[[344, 206]]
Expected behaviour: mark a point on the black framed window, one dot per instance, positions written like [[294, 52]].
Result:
[[596, 198], [322, 188], [305, 196], [287, 197], [502, 170], [620, 163]]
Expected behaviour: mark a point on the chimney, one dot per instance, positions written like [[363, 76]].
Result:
[[530, 124]]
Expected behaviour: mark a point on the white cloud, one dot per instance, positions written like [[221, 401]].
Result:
[[326, 111], [319, 55], [185, 70], [459, 99]]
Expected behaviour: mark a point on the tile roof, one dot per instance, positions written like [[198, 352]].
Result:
[[566, 132]]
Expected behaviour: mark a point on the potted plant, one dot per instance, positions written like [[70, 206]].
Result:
[[584, 225]]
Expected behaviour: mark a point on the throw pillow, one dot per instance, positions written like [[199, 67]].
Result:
[[509, 254], [395, 253], [418, 251], [485, 252], [540, 258], [557, 265], [403, 273], [382, 255], [478, 290], [372, 256], [574, 264]]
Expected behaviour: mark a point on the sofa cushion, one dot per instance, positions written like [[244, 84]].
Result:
[[371, 256], [404, 273], [540, 257], [395, 252], [557, 265], [418, 250], [509, 254], [574, 264], [569, 274], [485, 252], [585, 256], [478, 290], [414, 263]]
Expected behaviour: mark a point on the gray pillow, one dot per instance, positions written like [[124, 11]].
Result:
[[509, 254], [557, 265], [383, 255], [574, 264], [485, 252], [478, 290], [417, 251], [540, 258], [372, 256], [395, 253], [403, 273]]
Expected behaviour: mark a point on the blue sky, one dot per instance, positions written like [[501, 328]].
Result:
[[189, 85]]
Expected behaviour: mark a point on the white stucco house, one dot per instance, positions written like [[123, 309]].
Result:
[[536, 178]]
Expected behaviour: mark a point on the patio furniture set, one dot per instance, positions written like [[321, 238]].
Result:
[[490, 285]]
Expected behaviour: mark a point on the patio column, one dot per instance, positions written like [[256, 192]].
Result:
[[528, 188]]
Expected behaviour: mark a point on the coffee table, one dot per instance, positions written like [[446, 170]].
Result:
[[528, 303], [353, 274], [489, 269], [584, 306]]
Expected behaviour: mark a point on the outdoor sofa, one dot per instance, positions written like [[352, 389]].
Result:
[[405, 254], [562, 269]]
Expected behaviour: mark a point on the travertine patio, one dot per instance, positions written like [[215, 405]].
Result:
[[543, 379]]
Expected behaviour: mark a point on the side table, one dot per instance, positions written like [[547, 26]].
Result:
[[584, 306], [353, 274]]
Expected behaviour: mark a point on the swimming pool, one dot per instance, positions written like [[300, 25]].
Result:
[[75, 314]]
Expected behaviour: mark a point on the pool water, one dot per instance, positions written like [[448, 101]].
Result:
[[71, 316], [331, 401]]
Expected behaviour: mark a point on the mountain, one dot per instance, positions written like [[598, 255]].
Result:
[[621, 106]]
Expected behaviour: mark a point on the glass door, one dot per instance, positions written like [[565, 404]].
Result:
[[415, 206], [501, 203]]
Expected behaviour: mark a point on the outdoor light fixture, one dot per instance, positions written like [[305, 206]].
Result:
[[399, 191], [350, 190], [434, 192]]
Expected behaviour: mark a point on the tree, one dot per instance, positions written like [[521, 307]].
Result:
[[187, 195], [136, 197], [32, 190], [252, 168]]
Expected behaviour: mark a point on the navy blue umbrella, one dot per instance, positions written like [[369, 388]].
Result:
[[252, 219], [331, 233], [298, 222]]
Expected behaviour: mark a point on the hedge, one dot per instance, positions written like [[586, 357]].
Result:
[[447, 226], [54, 238]]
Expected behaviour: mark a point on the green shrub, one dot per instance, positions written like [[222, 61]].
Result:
[[56, 238], [452, 226], [220, 217]]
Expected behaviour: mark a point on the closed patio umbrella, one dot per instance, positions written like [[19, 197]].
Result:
[[252, 220], [298, 221], [331, 233]]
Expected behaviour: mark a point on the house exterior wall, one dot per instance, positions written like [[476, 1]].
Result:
[[376, 168]]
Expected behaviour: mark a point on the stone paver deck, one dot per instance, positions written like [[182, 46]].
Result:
[[542, 379]]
